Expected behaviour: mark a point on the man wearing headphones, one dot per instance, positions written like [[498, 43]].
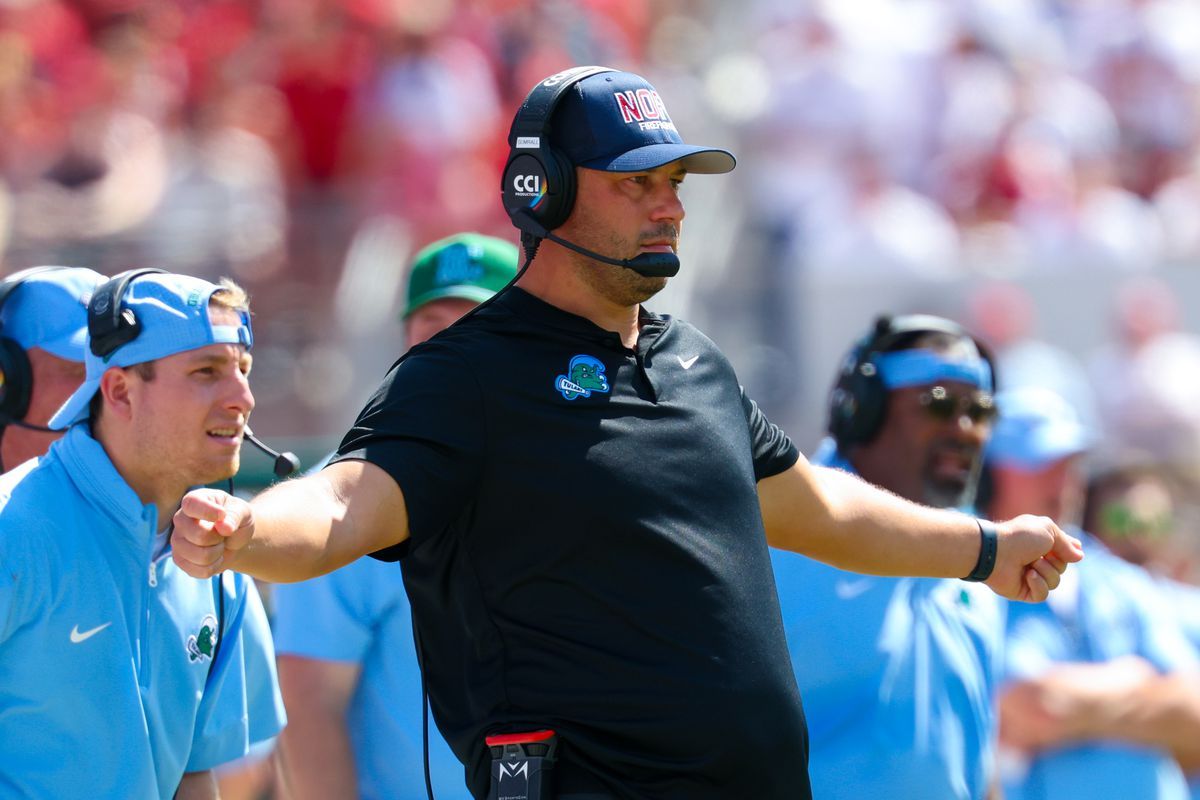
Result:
[[347, 666], [899, 673], [121, 676], [43, 324], [581, 496]]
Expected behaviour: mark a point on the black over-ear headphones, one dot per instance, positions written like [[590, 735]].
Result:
[[109, 324], [858, 402], [16, 376], [538, 186]]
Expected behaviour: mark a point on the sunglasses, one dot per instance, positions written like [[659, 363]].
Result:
[[944, 406]]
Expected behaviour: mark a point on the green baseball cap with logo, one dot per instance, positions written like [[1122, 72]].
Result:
[[469, 266]]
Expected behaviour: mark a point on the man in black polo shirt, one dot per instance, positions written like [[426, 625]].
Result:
[[582, 496]]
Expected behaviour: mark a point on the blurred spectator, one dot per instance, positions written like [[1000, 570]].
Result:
[[1178, 204], [430, 118], [1004, 314], [1147, 379], [874, 225], [1132, 509], [223, 211], [1140, 512], [1101, 697]]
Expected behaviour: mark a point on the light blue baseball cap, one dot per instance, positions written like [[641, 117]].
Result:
[[173, 312], [48, 310], [1035, 428]]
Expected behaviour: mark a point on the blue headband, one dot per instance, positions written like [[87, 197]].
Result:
[[923, 367]]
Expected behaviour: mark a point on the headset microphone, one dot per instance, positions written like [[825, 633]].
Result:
[[285, 463], [650, 265]]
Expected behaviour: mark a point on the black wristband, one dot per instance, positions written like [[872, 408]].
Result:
[[987, 552]]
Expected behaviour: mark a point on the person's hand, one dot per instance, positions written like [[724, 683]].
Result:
[[1031, 555], [211, 530], [1030, 719]]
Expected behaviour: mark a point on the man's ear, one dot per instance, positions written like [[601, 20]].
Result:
[[115, 386]]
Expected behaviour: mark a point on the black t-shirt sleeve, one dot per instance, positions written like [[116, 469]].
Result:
[[425, 427], [773, 449]]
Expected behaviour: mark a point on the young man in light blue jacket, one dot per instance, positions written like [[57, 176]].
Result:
[[120, 676]]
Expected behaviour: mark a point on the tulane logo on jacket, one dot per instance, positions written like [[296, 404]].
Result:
[[201, 643], [584, 375]]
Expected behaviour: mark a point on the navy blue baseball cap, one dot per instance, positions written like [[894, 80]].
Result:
[[616, 121]]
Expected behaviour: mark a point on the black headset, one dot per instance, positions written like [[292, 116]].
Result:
[[16, 376], [538, 186], [858, 401], [109, 324]]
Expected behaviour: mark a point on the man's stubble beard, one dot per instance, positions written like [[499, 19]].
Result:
[[619, 285]]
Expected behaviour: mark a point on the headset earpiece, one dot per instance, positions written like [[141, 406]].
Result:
[[109, 324], [858, 402], [539, 191], [16, 374], [16, 381], [560, 172], [538, 183]]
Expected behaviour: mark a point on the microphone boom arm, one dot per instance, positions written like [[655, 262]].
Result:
[[286, 463]]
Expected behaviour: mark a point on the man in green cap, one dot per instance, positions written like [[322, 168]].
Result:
[[452, 276], [347, 667]]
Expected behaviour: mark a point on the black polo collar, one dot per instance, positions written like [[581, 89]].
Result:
[[538, 311]]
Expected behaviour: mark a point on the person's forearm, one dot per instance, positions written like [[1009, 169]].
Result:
[[197, 786], [307, 527], [1124, 700], [317, 757], [296, 530], [865, 529], [301, 530], [316, 753], [837, 518], [1163, 712]]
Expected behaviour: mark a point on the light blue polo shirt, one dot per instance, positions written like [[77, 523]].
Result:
[[1184, 599], [1106, 608], [107, 686], [360, 615], [897, 675]]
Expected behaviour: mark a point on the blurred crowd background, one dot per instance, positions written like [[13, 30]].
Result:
[[1028, 167]]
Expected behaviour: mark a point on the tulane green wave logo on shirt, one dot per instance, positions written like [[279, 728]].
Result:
[[585, 375], [201, 643]]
